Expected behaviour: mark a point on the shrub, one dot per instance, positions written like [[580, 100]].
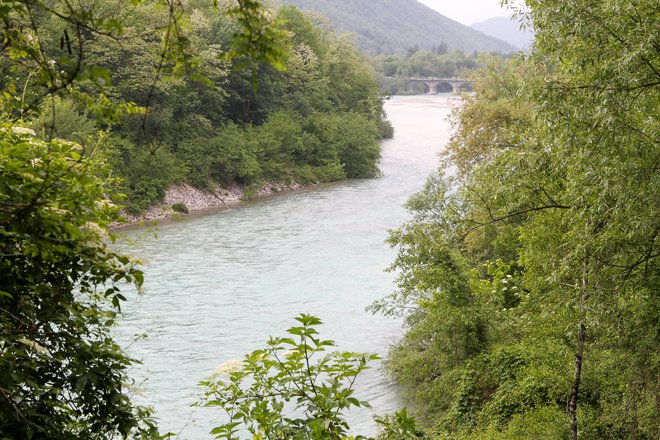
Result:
[[180, 207], [290, 389], [61, 374]]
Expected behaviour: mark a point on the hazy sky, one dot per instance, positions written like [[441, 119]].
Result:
[[467, 11]]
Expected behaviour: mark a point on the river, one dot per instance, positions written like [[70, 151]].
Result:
[[218, 284]]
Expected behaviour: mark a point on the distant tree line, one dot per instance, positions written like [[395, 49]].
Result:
[[394, 71]]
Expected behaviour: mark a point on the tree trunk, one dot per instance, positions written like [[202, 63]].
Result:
[[579, 353], [573, 397]]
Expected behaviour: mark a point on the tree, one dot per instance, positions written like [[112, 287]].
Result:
[[598, 111], [548, 232], [61, 374]]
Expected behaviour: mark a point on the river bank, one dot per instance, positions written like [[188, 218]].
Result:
[[183, 199], [216, 286]]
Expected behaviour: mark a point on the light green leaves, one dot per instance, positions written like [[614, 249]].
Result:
[[290, 389], [552, 220], [259, 36]]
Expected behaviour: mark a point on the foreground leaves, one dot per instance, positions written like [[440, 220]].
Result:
[[292, 389], [61, 374]]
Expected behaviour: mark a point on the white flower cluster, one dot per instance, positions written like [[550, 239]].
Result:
[[37, 347], [229, 366], [23, 130]]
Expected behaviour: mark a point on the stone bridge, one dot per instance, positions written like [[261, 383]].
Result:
[[457, 84]]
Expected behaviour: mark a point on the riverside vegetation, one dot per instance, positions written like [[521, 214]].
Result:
[[529, 272], [528, 278], [314, 116]]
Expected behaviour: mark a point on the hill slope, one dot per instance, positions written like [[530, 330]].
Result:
[[505, 29], [392, 26]]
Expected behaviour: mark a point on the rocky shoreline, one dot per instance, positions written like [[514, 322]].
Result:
[[183, 198]]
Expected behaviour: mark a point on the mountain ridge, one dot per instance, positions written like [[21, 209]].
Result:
[[394, 26], [505, 29]]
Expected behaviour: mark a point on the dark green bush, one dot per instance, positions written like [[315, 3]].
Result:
[[180, 207]]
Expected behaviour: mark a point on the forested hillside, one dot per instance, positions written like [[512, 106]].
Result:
[[529, 274], [393, 26], [212, 122]]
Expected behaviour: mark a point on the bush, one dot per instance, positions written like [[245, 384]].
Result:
[[356, 144], [180, 207], [289, 389], [61, 374], [386, 129], [146, 172]]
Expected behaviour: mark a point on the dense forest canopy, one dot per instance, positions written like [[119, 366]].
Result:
[[194, 115], [251, 126]]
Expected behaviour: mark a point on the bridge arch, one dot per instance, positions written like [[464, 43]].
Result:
[[434, 85]]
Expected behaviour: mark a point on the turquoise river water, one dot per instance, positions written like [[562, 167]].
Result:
[[218, 284]]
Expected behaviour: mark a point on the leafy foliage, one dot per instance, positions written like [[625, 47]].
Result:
[[61, 374], [399, 426], [528, 277], [290, 389], [258, 36]]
